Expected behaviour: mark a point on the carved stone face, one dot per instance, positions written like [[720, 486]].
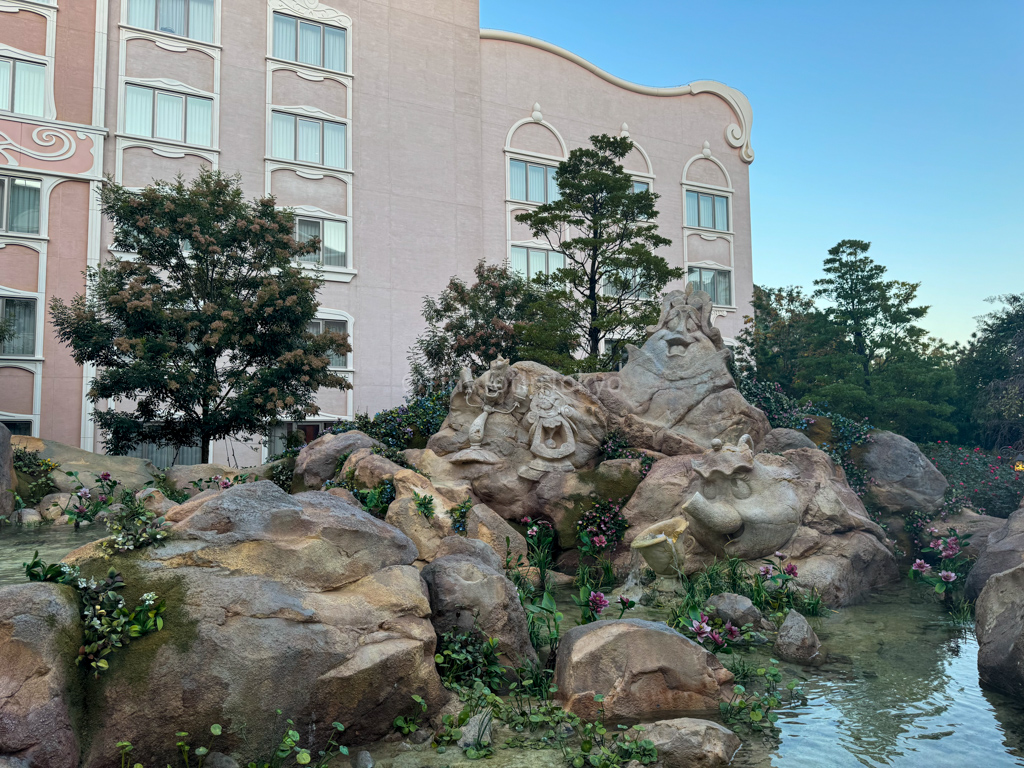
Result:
[[743, 508]]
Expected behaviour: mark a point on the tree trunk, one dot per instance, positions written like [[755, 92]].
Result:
[[204, 451]]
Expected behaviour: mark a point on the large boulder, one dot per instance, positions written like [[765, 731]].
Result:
[[780, 440], [303, 604], [488, 526], [40, 634], [999, 624], [8, 480], [1004, 549], [641, 668], [469, 592], [317, 462], [688, 742], [900, 477], [134, 474]]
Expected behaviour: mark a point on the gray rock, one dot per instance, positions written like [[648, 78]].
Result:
[[473, 548], [471, 595], [902, 478], [782, 439], [46, 507], [1004, 549], [640, 667], [797, 642], [735, 608], [692, 743], [317, 462], [40, 633], [299, 603], [220, 760], [485, 524], [13, 762], [8, 480], [477, 730], [999, 625], [363, 759], [131, 473]]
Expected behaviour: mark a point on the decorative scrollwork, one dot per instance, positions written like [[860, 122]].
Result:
[[43, 136]]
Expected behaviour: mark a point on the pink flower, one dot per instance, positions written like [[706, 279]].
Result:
[[790, 570], [598, 602], [225, 484], [599, 541], [532, 532], [921, 566], [952, 549], [80, 510], [701, 629], [731, 631], [624, 601], [84, 493], [526, 521], [779, 555], [947, 576], [935, 544], [767, 571], [104, 475], [103, 498], [717, 637]]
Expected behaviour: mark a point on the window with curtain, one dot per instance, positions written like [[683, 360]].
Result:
[[19, 204], [338, 326], [305, 42], [706, 210], [307, 140], [166, 115], [641, 186], [717, 283], [20, 316], [185, 18], [608, 289], [534, 262], [22, 87], [531, 182], [333, 236]]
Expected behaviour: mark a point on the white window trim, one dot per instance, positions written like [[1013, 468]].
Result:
[[40, 300], [314, 114], [526, 157], [159, 35], [180, 89], [349, 373], [317, 13], [7, 51], [718, 268], [340, 274]]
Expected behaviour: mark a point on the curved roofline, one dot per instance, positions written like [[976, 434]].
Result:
[[736, 134]]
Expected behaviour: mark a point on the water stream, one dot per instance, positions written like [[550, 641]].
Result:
[[900, 689]]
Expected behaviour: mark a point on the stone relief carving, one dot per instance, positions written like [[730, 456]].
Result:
[[743, 508], [491, 392], [552, 436], [44, 137]]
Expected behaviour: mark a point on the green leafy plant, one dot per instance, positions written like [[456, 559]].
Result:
[[424, 505], [952, 566], [406, 724], [615, 446], [463, 658], [458, 514], [407, 426], [160, 483], [86, 504], [756, 711], [223, 483], [38, 470], [282, 474], [132, 526]]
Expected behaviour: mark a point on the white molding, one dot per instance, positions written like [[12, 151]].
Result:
[[169, 40], [48, 12], [35, 367], [706, 154], [99, 72], [737, 134], [536, 117], [44, 136], [312, 10], [329, 273]]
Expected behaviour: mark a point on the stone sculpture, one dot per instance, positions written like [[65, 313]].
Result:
[[490, 393], [662, 546], [675, 394], [743, 508], [552, 433]]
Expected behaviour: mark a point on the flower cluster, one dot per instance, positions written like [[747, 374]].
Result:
[[712, 633], [953, 563], [988, 483], [603, 525], [616, 446], [85, 505]]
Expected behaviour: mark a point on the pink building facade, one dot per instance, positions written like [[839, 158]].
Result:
[[401, 134]]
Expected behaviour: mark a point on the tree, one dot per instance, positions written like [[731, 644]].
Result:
[[777, 338], [612, 278], [205, 329], [470, 325]]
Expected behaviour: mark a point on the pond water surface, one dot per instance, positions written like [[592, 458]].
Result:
[[900, 689]]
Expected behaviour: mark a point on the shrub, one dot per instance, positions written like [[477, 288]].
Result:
[[465, 657], [458, 514], [407, 426], [988, 483], [38, 470]]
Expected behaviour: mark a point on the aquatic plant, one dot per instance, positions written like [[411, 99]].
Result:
[[944, 565], [756, 711]]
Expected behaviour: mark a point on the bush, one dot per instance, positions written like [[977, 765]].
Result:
[[407, 426], [988, 483]]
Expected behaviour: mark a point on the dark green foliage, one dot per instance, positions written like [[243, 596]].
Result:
[[756, 711], [424, 505], [615, 446], [407, 426], [860, 350], [205, 328], [987, 482], [458, 514], [612, 279], [470, 325], [375, 500], [463, 658], [132, 526], [38, 470]]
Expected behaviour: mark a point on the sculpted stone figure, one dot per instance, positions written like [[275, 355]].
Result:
[[552, 436], [675, 394], [491, 394], [743, 508]]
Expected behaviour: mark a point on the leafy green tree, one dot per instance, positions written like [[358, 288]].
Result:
[[204, 332], [612, 278], [468, 325], [776, 340]]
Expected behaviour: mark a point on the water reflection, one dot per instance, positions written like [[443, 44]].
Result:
[[18, 542]]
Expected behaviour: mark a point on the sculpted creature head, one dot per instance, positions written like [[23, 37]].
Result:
[[686, 320], [494, 385], [743, 508]]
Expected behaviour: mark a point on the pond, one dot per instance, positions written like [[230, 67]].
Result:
[[54, 541]]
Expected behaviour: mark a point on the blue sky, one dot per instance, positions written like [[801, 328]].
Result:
[[899, 122]]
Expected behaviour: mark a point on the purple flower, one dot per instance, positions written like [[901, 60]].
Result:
[[717, 637], [767, 571], [731, 631], [947, 576], [935, 544], [701, 629], [921, 566], [952, 549], [102, 498], [779, 555], [599, 541], [225, 484], [104, 475], [624, 601], [80, 510], [84, 493], [598, 602], [790, 570]]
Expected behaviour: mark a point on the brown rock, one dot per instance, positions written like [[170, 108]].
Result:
[[155, 501], [369, 469], [1004, 550], [780, 440], [797, 642], [999, 625], [404, 515], [640, 667], [133, 474], [317, 462], [485, 524], [39, 637], [735, 608], [692, 743], [345, 495], [179, 512], [51, 506], [902, 479]]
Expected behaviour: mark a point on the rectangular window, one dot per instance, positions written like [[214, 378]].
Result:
[[333, 236], [167, 115], [534, 262], [641, 186], [186, 18], [19, 204], [532, 183], [707, 210], [320, 142], [717, 283], [20, 316], [608, 289], [18, 427], [22, 87], [305, 42], [338, 326]]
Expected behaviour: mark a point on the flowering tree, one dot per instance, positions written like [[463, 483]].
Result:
[[205, 328]]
